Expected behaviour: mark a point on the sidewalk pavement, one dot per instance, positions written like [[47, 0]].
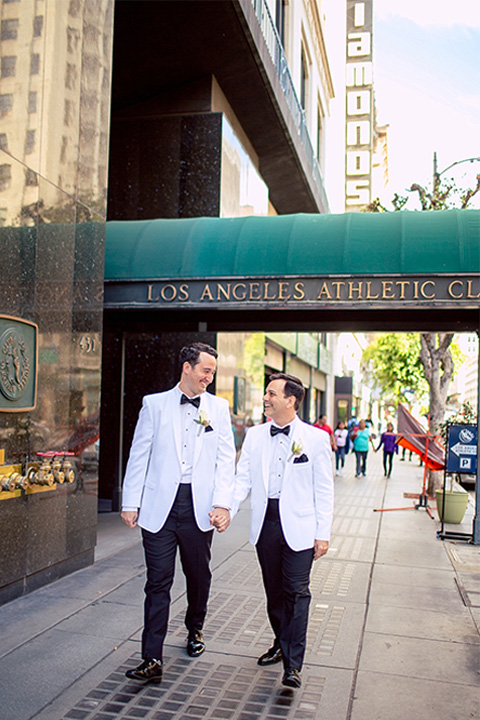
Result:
[[393, 631]]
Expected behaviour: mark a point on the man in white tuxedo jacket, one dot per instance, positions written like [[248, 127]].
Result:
[[286, 465], [179, 485]]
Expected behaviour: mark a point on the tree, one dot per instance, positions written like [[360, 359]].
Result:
[[435, 353], [394, 359]]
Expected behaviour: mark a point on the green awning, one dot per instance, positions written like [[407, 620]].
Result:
[[295, 245]]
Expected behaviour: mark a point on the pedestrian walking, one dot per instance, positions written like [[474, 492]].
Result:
[[341, 442], [362, 437], [323, 425], [179, 485], [389, 441], [286, 465]]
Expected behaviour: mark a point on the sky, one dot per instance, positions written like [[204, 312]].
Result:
[[427, 88], [426, 57]]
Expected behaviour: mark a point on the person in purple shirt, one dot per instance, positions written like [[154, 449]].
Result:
[[388, 440]]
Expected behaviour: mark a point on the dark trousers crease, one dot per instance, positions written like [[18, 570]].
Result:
[[286, 577], [180, 530]]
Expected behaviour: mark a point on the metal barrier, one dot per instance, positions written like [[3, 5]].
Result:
[[275, 49]]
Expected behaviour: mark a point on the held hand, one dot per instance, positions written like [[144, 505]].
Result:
[[321, 547], [129, 517], [220, 518]]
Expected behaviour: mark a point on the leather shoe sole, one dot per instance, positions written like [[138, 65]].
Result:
[[291, 678], [272, 656]]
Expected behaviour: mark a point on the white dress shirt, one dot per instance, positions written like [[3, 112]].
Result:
[[188, 414], [280, 451]]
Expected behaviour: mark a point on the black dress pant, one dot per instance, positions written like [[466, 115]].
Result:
[[387, 462], [180, 530], [286, 577]]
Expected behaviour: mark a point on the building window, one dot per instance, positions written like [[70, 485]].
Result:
[[303, 79], [37, 26], [67, 112], [9, 29], [6, 103], [63, 150], [71, 77], [305, 63], [3, 141], [73, 39], [320, 122], [5, 176], [280, 20], [35, 64], [8, 66], [30, 142], [32, 102], [31, 178]]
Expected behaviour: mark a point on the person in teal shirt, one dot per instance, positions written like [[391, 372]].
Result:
[[362, 436]]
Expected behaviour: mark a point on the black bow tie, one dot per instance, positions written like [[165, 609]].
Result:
[[193, 401], [276, 430]]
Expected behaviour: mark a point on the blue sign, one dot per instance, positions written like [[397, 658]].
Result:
[[462, 449]]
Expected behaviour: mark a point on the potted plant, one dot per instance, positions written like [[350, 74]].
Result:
[[456, 501]]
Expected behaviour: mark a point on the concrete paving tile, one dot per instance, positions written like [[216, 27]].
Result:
[[407, 552], [383, 697], [410, 524], [129, 593], [464, 557], [212, 687], [352, 548], [104, 619], [330, 578], [30, 615], [412, 576], [113, 536], [455, 626], [418, 658], [237, 623], [84, 685], [47, 665], [422, 598], [358, 526]]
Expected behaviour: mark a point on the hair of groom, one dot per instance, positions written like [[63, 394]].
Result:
[[293, 386], [191, 353]]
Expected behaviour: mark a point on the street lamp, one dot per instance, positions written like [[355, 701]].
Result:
[[436, 174]]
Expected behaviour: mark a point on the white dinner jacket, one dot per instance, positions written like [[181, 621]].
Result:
[[154, 465], [306, 498]]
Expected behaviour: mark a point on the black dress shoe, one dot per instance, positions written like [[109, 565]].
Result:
[[272, 656], [149, 671], [291, 678], [195, 643]]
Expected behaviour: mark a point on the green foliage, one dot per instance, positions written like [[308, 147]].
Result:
[[465, 416], [443, 195], [395, 364], [254, 358]]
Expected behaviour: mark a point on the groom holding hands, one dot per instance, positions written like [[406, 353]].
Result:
[[287, 467], [178, 485]]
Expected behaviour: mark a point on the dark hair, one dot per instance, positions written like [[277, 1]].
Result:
[[293, 386], [191, 353]]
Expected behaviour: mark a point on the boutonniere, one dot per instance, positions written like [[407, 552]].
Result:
[[203, 421], [297, 447]]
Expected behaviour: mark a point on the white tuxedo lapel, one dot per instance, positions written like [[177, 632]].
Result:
[[295, 436], [204, 403]]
